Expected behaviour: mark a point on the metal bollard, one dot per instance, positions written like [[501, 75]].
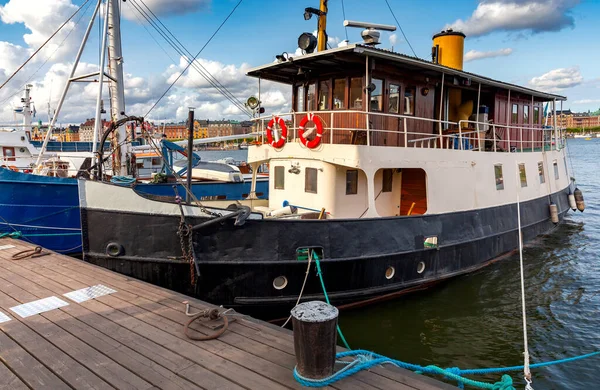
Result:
[[315, 338]]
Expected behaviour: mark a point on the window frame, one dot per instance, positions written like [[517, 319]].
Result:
[[556, 173], [389, 97], [514, 116], [536, 113], [307, 182], [345, 93], [499, 184], [313, 106], [362, 93], [353, 172], [522, 175], [382, 105], [526, 108], [329, 94], [414, 102], [541, 172], [296, 96], [281, 169]]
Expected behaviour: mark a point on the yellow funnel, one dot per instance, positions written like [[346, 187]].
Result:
[[448, 48]]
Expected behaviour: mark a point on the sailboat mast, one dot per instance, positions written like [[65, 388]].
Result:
[[321, 34], [27, 109], [117, 92]]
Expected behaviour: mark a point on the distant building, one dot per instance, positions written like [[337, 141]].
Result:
[[569, 119], [86, 130]]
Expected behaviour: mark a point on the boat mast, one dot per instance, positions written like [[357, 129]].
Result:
[[321, 34], [117, 93], [66, 88], [27, 109], [98, 117]]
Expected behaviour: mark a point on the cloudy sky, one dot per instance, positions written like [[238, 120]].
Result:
[[544, 44]]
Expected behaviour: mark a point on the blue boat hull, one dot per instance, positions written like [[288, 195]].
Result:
[[45, 210]]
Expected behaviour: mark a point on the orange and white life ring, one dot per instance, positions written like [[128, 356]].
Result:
[[271, 131], [310, 117]]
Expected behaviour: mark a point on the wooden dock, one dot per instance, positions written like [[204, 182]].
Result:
[[133, 338]]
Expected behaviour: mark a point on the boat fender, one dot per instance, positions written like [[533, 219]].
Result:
[[572, 203], [114, 249], [310, 117], [579, 199], [553, 213], [271, 132]]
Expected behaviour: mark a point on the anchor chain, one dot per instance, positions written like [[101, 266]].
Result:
[[184, 231]]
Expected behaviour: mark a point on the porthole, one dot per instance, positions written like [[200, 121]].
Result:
[[390, 272], [114, 249], [420, 267], [280, 282]]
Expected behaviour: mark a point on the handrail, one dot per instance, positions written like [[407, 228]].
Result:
[[514, 138]]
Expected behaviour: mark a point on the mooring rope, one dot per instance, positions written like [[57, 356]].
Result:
[[363, 360]]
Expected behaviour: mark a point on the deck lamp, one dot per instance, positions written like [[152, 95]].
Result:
[[307, 42], [252, 102]]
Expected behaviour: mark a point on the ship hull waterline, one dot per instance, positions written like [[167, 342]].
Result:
[[363, 260]]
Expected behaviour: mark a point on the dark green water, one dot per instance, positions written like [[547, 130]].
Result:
[[474, 321]]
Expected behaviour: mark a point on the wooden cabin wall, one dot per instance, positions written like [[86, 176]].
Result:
[[503, 115]]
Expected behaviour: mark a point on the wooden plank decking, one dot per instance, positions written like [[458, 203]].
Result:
[[133, 339]]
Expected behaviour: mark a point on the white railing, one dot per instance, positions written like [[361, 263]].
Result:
[[374, 129]]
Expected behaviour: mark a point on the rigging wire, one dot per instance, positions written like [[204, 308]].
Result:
[[401, 30], [49, 57], [44, 44], [181, 50], [206, 74], [344, 15]]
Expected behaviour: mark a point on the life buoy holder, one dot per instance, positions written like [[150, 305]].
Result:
[[271, 131], [310, 117]]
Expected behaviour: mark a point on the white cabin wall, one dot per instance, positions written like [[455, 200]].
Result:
[[349, 206], [294, 189], [388, 203]]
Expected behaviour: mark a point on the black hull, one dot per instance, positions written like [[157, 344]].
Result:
[[238, 264]]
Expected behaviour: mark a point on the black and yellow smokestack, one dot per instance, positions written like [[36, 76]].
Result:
[[448, 48]]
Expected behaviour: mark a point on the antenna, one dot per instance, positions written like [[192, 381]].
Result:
[[370, 34]]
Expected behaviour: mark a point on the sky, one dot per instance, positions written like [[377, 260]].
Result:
[[542, 44]]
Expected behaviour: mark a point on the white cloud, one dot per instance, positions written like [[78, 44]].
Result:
[[517, 15], [165, 8], [586, 101], [473, 55], [557, 79], [393, 39]]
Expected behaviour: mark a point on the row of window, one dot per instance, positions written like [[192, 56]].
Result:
[[310, 180], [523, 175], [515, 114], [347, 93]]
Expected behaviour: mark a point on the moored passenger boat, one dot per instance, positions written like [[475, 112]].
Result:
[[395, 172]]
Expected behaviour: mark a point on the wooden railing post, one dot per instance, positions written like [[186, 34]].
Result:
[[315, 338]]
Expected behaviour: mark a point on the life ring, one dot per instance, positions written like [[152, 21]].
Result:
[[318, 124], [13, 168], [271, 131]]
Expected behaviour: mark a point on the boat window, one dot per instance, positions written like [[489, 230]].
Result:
[[499, 178], [351, 182], [536, 115], [300, 98], [279, 178], [9, 153], [522, 175], [310, 180], [324, 88], [311, 103], [555, 169], [394, 99], [515, 114], [541, 172], [356, 93], [339, 94], [388, 180], [409, 101], [377, 95], [526, 114], [157, 161]]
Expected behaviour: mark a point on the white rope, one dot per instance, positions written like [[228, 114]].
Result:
[[301, 290], [40, 227], [526, 370]]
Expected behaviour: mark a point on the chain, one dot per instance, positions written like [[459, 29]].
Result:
[[187, 248]]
